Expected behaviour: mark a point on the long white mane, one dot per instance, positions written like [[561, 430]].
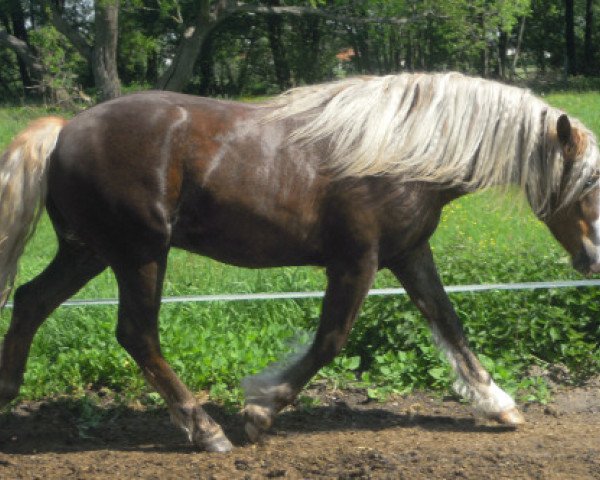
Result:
[[447, 129]]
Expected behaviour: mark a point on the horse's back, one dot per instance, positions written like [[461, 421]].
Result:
[[202, 174]]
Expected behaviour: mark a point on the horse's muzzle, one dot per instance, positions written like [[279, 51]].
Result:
[[595, 268], [585, 263]]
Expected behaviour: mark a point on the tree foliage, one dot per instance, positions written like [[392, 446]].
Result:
[[232, 48]]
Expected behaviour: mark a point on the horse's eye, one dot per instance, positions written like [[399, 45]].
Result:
[[592, 179]]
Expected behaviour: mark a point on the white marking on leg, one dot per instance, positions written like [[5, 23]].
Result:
[[270, 385], [269, 391], [182, 417], [486, 398], [202, 434]]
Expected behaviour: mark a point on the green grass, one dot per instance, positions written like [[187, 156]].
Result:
[[584, 106], [482, 238]]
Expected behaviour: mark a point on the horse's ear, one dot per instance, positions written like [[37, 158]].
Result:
[[571, 140], [564, 130]]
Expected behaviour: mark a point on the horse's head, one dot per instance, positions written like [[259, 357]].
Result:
[[576, 225]]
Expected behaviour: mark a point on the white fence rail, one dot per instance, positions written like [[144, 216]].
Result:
[[319, 294]]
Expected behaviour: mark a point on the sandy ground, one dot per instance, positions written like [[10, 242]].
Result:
[[345, 436]]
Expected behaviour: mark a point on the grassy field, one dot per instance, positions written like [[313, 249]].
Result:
[[482, 238]]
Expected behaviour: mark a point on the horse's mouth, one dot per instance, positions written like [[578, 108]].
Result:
[[585, 265]]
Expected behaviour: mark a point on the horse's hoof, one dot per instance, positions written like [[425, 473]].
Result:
[[218, 443], [258, 420], [511, 417]]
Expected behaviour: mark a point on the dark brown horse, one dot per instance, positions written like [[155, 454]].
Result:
[[351, 176]]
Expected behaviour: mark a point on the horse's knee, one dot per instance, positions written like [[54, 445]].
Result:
[[141, 343], [329, 349], [27, 303], [124, 338], [329, 355], [29, 310], [130, 340]]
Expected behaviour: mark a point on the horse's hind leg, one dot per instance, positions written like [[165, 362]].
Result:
[[137, 331], [419, 276], [270, 391], [72, 267]]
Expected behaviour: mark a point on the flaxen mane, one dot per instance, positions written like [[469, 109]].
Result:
[[442, 128]]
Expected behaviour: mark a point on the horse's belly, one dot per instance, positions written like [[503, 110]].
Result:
[[246, 240]]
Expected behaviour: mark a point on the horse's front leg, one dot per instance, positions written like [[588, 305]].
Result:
[[268, 392], [419, 276]]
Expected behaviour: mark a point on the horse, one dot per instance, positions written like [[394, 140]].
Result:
[[350, 176]]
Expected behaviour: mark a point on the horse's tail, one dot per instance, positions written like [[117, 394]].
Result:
[[23, 183]]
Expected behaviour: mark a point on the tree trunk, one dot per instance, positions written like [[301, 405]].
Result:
[[518, 50], [275, 31], [32, 12], [23, 52], [502, 44], [588, 48], [363, 45], [395, 47], [152, 68], [314, 48], [177, 76], [485, 59], [102, 55], [571, 65], [19, 31], [104, 52], [206, 67], [5, 21], [249, 59]]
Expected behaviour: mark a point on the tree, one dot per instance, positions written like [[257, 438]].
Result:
[[206, 16], [28, 60], [15, 22], [179, 72], [101, 54], [588, 45], [544, 37], [275, 27], [232, 47], [571, 63]]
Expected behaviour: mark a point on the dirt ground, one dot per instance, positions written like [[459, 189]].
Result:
[[344, 436]]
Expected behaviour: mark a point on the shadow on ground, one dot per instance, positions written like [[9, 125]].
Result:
[[75, 425]]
